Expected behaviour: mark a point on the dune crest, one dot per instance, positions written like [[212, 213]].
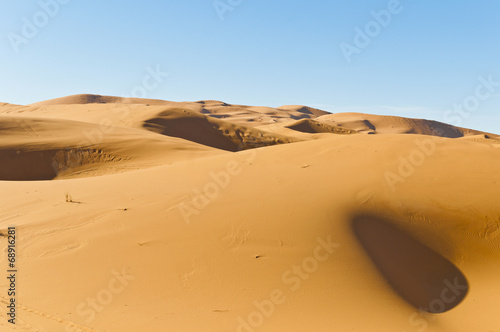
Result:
[[97, 99]]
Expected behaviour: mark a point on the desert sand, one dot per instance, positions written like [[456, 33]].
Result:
[[150, 215]]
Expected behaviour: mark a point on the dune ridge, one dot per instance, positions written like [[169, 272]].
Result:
[[384, 124], [97, 99]]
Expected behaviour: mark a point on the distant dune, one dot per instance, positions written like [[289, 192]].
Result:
[[150, 215], [379, 124], [97, 99]]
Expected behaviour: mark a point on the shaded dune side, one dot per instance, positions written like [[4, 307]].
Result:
[[421, 276], [314, 127], [18, 166], [31, 164], [211, 132]]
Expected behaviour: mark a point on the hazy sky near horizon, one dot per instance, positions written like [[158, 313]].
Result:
[[413, 58]]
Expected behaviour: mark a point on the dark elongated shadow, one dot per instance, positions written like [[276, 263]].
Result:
[[421, 276]]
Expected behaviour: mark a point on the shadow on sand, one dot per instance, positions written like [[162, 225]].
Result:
[[421, 276]]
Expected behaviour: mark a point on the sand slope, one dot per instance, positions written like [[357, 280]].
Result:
[[327, 232]]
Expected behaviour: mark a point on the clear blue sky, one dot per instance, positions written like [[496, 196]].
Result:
[[426, 59]]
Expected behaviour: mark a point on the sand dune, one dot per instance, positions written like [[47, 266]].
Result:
[[378, 124], [252, 116], [189, 217]]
